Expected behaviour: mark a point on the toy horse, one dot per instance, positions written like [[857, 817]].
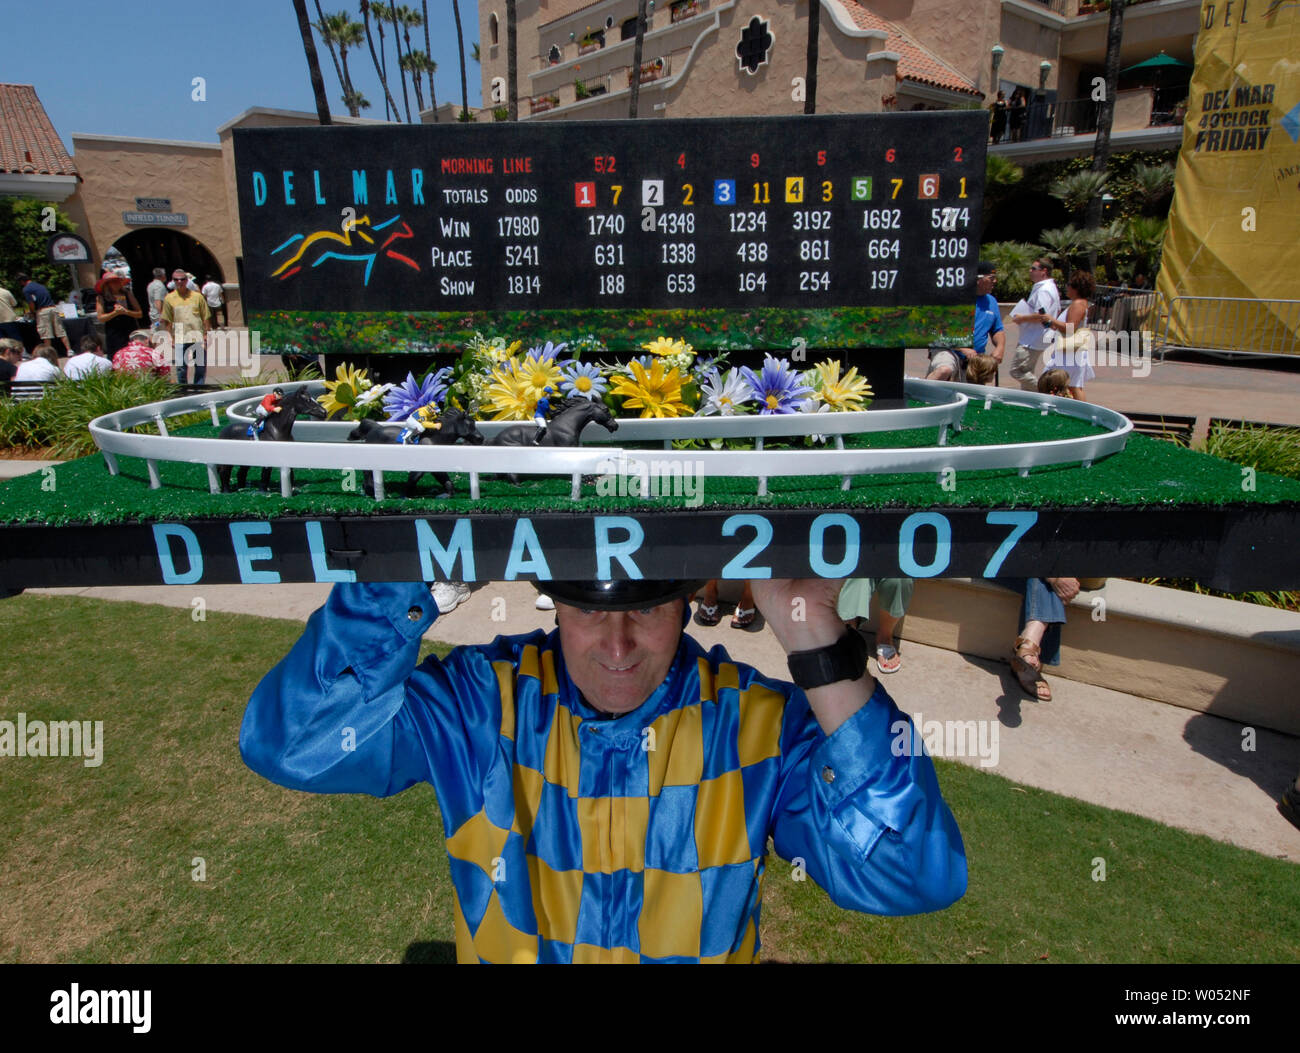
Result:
[[564, 430], [453, 426], [278, 428]]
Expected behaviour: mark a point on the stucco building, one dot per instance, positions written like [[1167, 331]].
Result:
[[737, 57]]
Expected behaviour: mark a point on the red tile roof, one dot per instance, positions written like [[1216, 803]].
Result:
[[29, 145], [915, 62]]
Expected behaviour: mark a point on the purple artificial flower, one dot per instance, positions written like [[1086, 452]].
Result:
[[411, 395], [776, 388], [548, 353]]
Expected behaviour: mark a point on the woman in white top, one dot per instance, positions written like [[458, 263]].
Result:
[[1072, 349]]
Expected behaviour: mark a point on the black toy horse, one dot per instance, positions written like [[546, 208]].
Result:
[[278, 428], [453, 426], [574, 415]]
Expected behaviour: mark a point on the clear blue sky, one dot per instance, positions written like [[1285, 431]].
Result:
[[128, 68]]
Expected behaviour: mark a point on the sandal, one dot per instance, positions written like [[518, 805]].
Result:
[[888, 660], [743, 618], [1030, 676], [707, 614]]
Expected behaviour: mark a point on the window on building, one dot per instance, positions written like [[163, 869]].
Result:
[[494, 29], [628, 28], [553, 56]]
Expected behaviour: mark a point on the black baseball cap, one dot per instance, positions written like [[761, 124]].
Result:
[[985, 267], [617, 595]]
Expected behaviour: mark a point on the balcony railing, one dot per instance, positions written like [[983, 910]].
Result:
[[652, 71], [1066, 117]]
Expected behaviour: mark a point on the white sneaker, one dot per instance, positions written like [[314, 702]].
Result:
[[544, 602], [447, 596]]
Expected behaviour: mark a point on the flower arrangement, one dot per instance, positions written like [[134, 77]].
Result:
[[496, 379]]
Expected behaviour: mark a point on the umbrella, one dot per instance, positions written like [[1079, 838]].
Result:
[[1161, 62]]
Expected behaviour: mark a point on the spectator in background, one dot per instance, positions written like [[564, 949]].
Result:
[[11, 355], [216, 304], [155, 294], [41, 306], [1042, 614], [90, 361], [1044, 301], [998, 125], [1072, 345], [981, 369], [9, 328], [1054, 382], [187, 321], [893, 595], [951, 363], [707, 611], [1016, 115], [42, 366], [116, 307], [141, 356]]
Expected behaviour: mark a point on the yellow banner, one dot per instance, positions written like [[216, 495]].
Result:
[[1234, 228]]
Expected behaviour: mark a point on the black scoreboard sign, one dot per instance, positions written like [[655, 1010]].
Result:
[[878, 210]]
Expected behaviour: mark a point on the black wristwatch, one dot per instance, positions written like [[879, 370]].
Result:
[[845, 659]]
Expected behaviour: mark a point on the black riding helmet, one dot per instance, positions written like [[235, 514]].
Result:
[[617, 595]]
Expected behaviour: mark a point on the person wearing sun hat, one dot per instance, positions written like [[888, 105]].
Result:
[[116, 308], [608, 789]]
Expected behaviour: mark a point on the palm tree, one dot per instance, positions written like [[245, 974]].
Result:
[[460, 55], [1078, 189], [348, 36], [810, 80], [428, 50], [1145, 239], [313, 65], [383, 13], [1065, 243], [415, 63], [367, 8], [1106, 115], [512, 58], [322, 26], [1150, 184], [397, 14], [356, 102], [637, 53]]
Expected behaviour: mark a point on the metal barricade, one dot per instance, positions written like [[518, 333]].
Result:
[[1220, 325]]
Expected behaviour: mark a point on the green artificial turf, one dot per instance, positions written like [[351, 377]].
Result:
[[1149, 473], [172, 851]]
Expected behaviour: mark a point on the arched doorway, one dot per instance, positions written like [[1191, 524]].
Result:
[[167, 248]]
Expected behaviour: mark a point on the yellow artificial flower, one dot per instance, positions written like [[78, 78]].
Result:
[[849, 392], [655, 393], [500, 352], [341, 394], [661, 345], [509, 396], [539, 374]]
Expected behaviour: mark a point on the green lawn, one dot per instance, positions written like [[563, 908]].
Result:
[[98, 864]]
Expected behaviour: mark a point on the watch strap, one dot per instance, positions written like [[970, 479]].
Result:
[[845, 659]]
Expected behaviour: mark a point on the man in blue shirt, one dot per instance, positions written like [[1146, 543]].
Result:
[[49, 322], [950, 363], [608, 790]]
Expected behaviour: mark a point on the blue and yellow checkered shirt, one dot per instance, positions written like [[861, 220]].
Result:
[[571, 838]]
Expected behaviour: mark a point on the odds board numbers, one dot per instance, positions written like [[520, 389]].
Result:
[[863, 210]]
